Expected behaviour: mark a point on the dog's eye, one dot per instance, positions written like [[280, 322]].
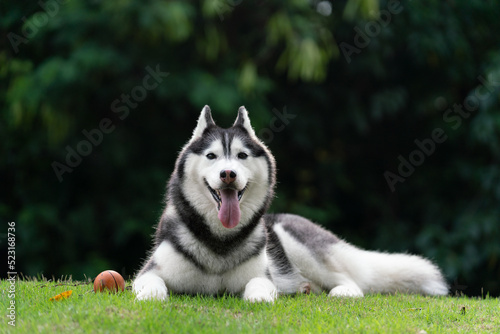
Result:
[[211, 156], [242, 156]]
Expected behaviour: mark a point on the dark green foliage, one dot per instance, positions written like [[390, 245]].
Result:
[[354, 116]]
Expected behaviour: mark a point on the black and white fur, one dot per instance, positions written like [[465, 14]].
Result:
[[251, 253]]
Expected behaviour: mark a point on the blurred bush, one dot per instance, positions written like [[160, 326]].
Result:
[[364, 80]]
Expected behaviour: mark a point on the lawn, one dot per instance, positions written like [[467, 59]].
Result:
[[85, 311]]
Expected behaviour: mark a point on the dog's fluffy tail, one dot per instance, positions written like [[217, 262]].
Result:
[[376, 272]]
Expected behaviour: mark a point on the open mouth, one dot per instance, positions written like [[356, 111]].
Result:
[[228, 207], [216, 194]]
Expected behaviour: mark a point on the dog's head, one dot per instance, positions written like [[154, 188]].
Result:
[[226, 175]]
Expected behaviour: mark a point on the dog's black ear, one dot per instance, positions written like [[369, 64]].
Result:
[[204, 121], [244, 121]]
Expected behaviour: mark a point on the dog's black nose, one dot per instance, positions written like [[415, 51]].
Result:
[[227, 176]]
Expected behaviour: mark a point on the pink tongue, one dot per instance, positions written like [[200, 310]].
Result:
[[229, 213]]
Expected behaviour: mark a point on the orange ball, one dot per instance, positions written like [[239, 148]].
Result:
[[109, 280]]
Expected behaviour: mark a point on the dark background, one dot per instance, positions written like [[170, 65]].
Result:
[[363, 89]]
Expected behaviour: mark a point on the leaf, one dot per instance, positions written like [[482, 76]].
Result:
[[248, 77], [414, 309], [62, 295], [366, 9]]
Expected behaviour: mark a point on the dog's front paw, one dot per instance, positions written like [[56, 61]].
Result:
[[149, 286], [345, 291], [260, 289]]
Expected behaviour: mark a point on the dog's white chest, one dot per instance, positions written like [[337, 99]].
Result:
[[182, 276]]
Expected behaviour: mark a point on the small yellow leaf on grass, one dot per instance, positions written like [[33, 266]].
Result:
[[62, 295]]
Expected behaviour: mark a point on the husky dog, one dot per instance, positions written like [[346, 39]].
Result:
[[215, 237]]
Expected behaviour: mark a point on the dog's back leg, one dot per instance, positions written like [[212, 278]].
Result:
[[345, 270]]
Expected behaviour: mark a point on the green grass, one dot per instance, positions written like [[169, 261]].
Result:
[[85, 312]]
